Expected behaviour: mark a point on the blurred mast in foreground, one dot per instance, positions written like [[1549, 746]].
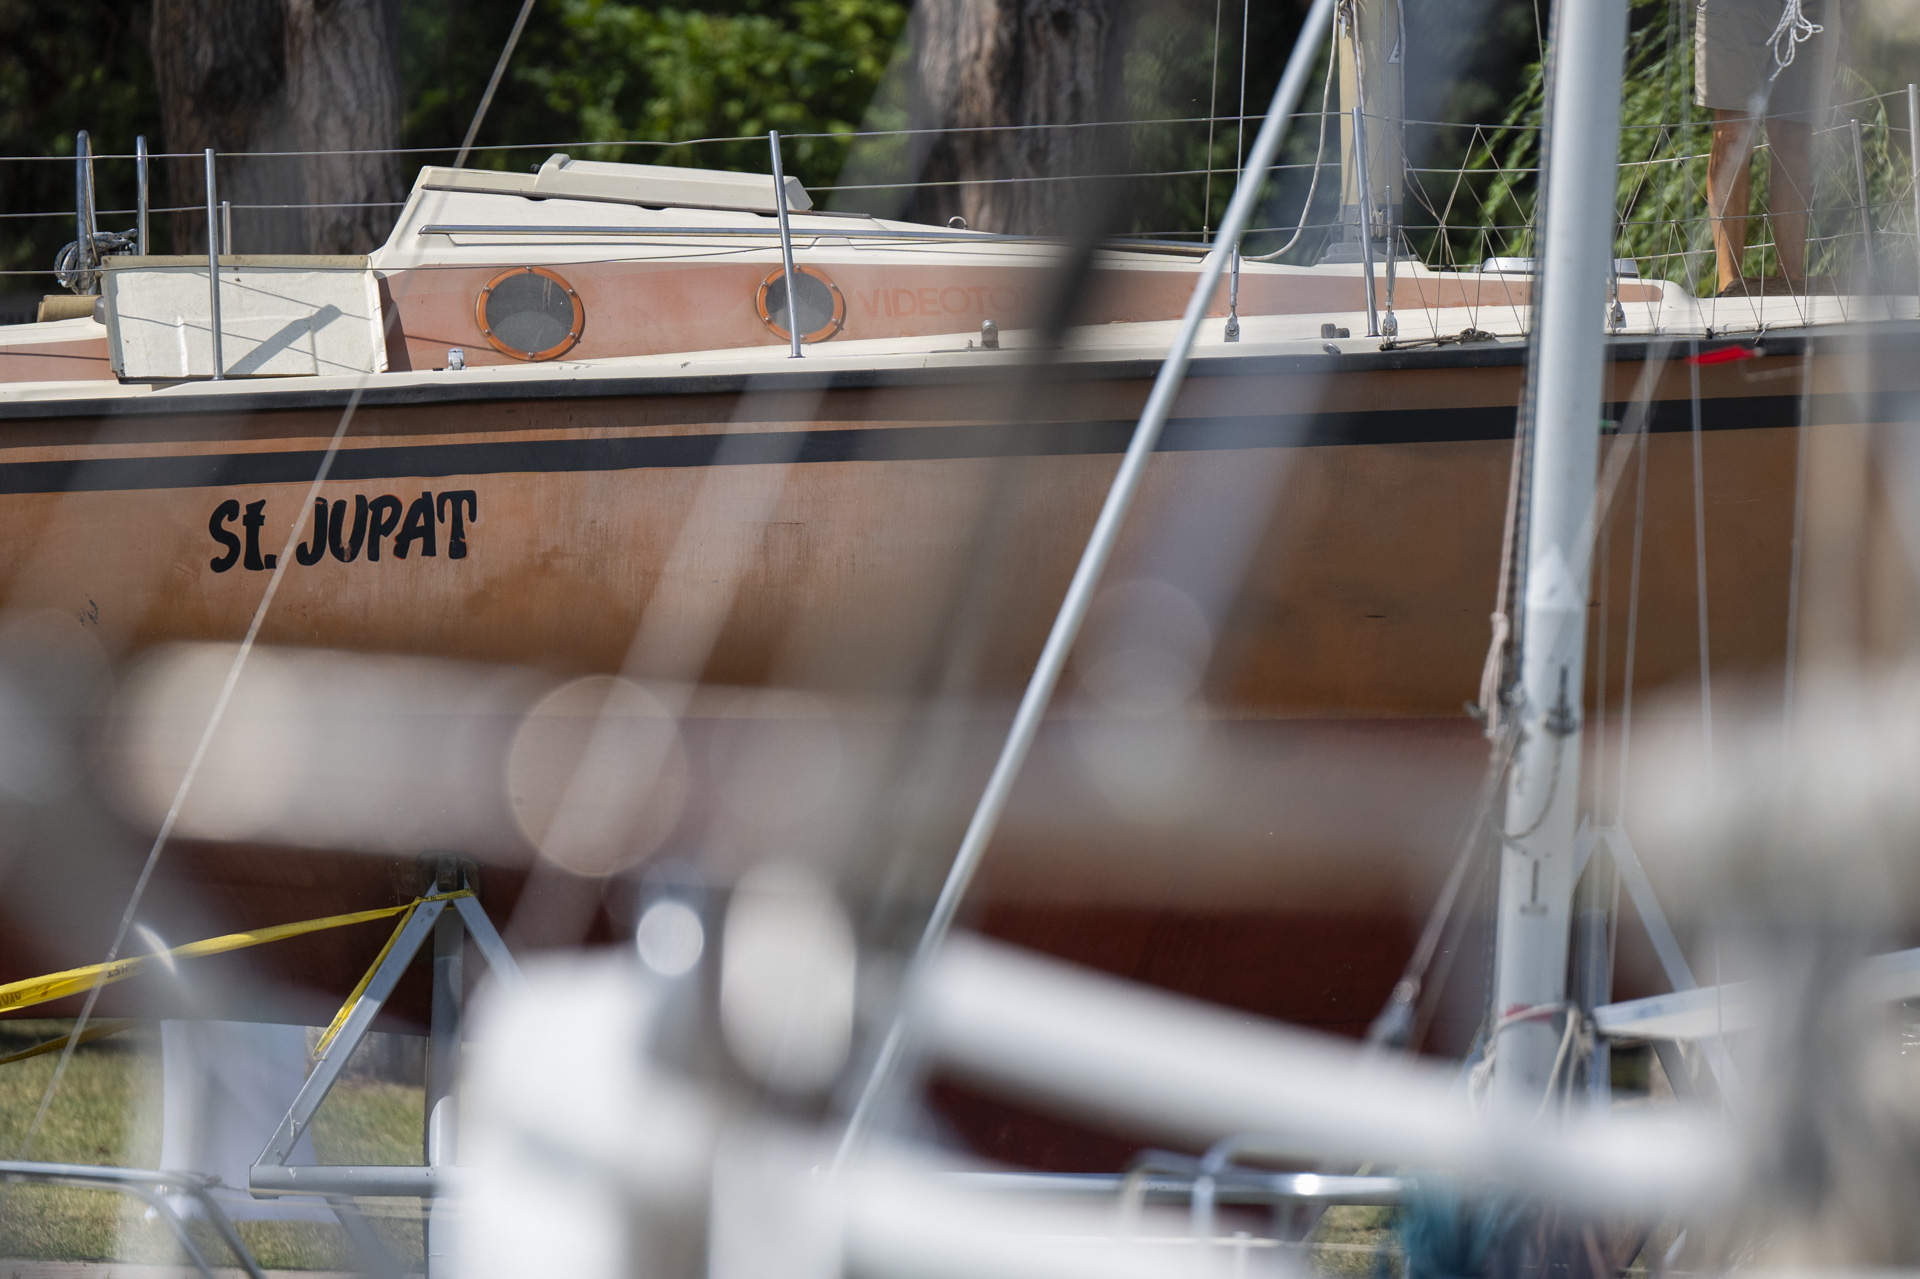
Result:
[[1564, 403]]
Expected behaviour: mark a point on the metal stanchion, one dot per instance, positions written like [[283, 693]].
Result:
[[1866, 209], [1366, 216], [786, 246], [87, 257], [213, 266], [140, 180]]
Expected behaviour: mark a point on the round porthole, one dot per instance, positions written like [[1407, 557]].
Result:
[[529, 313], [822, 310]]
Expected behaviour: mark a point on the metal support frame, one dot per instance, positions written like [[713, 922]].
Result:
[[1866, 209], [443, 1066], [1607, 1018], [213, 268], [151, 1187], [1708, 1012], [1230, 1186], [271, 1175], [1232, 333], [1532, 922], [1390, 323], [786, 246], [1214, 1179], [1366, 216], [1595, 893]]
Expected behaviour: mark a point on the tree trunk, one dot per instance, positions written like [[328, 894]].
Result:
[[985, 65], [345, 92], [248, 77]]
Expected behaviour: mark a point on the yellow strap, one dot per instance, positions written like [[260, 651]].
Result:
[[40, 990], [360, 987], [99, 1030]]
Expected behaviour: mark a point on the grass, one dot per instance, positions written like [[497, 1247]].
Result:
[[108, 1112], [1350, 1240]]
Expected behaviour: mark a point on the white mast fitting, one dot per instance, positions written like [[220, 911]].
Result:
[[1576, 248]]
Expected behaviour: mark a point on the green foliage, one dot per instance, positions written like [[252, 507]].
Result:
[[108, 1111], [1663, 171], [66, 67], [650, 84], [672, 76], [585, 70]]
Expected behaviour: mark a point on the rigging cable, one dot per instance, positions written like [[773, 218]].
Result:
[[1240, 123], [1213, 98], [1396, 1023], [499, 70], [214, 718], [225, 695], [1319, 159]]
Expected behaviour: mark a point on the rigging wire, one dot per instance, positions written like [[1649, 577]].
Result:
[[1319, 160], [1240, 125], [1213, 97], [214, 718], [499, 70], [225, 695], [1395, 1024]]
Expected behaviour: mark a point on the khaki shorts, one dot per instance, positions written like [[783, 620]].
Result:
[[1733, 63]]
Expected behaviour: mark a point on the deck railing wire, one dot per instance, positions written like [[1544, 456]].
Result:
[[1453, 216]]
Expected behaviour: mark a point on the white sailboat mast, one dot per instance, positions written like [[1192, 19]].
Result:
[[1574, 248]]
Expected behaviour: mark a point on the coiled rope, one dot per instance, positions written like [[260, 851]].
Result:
[[1795, 29]]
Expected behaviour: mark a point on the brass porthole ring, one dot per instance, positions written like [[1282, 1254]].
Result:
[[823, 310], [530, 313]]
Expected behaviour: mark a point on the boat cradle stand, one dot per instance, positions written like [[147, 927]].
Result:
[[450, 920]]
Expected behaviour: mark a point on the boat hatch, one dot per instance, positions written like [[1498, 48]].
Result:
[[279, 317], [655, 185]]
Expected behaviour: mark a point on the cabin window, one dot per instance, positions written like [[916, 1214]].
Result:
[[530, 313], [822, 310]]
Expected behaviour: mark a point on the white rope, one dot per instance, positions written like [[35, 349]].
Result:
[[1576, 1028], [1794, 30], [1480, 1078]]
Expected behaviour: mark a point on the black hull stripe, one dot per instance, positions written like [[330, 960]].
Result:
[[881, 444]]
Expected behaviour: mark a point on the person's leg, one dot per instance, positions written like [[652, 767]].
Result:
[[1789, 188], [1729, 189]]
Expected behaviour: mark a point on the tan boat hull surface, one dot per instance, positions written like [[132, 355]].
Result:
[[1361, 614]]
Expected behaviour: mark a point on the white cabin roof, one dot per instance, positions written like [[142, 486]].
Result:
[[652, 185]]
